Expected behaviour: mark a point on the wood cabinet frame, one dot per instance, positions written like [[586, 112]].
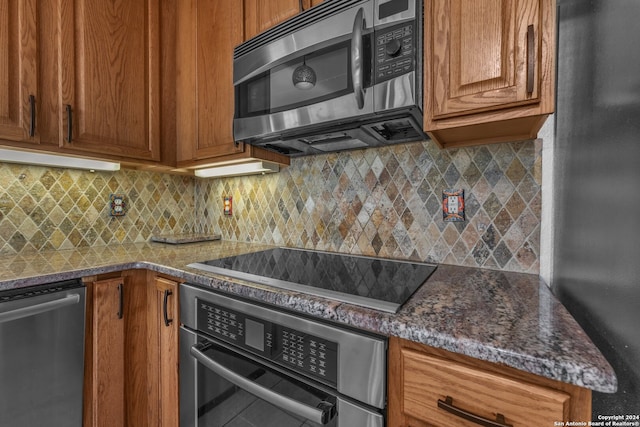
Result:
[[131, 360], [580, 398], [486, 100]]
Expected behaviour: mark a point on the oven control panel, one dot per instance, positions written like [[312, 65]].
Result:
[[296, 350]]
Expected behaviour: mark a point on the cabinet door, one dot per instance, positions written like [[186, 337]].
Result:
[[109, 80], [18, 70], [163, 360], [261, 15], [208, 30], [108, 354], [485, 55]]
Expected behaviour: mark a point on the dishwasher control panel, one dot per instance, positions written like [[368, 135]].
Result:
[[35, 291], [296, 350]]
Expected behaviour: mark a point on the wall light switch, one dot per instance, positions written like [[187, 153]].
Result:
[[453, 205], [227, 207]]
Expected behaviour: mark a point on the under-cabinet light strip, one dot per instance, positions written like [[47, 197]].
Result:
[[54, 160], [252, 168]]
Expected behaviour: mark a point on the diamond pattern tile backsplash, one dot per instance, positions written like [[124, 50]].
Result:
[[388, 202], [385, 202], [50, 208]]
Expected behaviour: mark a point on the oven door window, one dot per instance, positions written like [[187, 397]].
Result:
[[226, 403], [320, 75]]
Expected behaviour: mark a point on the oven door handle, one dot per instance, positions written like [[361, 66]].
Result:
[[320, 416]]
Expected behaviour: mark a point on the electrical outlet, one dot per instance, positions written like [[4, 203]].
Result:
[[118, 204], [227, 207], [453, 205]]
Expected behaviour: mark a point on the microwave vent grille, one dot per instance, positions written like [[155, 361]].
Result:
[[310, 16]]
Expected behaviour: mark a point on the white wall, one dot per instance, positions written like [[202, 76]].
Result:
[[547, 134]]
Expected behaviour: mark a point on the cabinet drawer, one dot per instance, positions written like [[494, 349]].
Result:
[[427, 380]]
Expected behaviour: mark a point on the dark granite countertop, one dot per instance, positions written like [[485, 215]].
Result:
[[507, 318]]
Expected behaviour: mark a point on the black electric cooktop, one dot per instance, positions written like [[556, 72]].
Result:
[[377, 283]]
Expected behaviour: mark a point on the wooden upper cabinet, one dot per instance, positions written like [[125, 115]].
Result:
[[18, 70], [260, 15], [208, 30], [110, 77], [485, 63], [488, 63]]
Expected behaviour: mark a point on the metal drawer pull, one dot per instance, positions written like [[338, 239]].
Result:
[[69, 123], [322, 415], [447, 405], [531, 59], [32, 310], [32, 123], [121, 303], [167, 321]]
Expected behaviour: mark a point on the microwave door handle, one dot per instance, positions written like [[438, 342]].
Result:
[[357, 59], [319, 416]]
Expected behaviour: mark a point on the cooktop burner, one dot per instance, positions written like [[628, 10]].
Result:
[[377, 283]]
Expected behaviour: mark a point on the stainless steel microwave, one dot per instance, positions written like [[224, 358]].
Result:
[[343, 75]]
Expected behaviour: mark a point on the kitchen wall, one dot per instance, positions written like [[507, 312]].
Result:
[[51, 208], [388, 202], [385, 202]]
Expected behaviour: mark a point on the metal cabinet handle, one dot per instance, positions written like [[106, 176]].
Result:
[[447, 405], [32, 310], [167, 321], [121, 305], [69, 123], [300, 6], [357, 58], [322, 415], [531, 59], [32, 122]]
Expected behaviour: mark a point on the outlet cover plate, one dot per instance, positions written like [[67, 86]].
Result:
[[453, 205], [227, 208], [118, 204]]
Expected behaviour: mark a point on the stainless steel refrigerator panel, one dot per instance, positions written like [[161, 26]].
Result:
[[597, 177]]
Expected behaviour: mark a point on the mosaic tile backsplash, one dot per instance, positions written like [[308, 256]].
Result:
[[51, 208], [388, 202], [385, 202]]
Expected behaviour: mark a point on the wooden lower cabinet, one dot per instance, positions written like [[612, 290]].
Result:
[[131, 353], [163, 355], [431, 387], [105, 354]]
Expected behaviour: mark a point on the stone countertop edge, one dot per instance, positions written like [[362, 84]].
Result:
[[507, 318]]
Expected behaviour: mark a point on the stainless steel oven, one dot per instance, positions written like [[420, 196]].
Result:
[[242, 363], [345, 74]]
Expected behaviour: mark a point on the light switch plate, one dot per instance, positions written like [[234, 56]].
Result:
[[118, 204], [453, 205]]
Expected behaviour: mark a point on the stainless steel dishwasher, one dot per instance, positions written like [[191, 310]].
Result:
[[42, 355]]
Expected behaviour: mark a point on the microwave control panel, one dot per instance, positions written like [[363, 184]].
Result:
[[394, 52], [288, 347]]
